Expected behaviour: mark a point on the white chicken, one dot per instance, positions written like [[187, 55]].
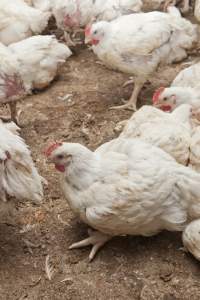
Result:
[[170, 132], [125, 187], [137, 44], [72, 15], [184, 89], [18, 175], [39, 58], [19, 21], [29, 64]]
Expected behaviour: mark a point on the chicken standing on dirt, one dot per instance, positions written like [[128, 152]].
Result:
[[18, 21], [170, 132], [27, 65], [137, 44], [185, 89], [126, 187], [18, 175], [73, 15]]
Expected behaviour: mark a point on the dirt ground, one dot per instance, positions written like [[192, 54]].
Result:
[[127, 267]]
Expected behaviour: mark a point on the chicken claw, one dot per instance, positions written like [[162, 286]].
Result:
[[97, 239], [129, 106], [128, 82]]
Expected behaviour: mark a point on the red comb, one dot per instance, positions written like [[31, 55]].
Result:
[[157, 94], [51, 148], [87, 30]]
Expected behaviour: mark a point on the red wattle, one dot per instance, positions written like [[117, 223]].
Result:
[[60, 168], [166, 108], [95, 42]]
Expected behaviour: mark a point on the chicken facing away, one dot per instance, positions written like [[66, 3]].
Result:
[[171, 132], [27, 65], [18, 21], [39, 59], [137, 44], [72, 15], [18, 175], [184, 89], [126, 187]]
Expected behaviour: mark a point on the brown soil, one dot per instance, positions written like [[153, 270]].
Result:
[[127, 267]]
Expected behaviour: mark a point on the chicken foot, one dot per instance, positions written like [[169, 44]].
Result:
[[96, 238], [131, 104]]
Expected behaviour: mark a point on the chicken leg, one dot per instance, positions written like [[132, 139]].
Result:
[[186, 6], [97, 239], [13, 112], [131, 104]]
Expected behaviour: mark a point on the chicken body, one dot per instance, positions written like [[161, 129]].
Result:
[[19, 21], [29, 64], [137, 44], [39, 58], [170, 132], [126, 187], [18, 175], [184, 89]]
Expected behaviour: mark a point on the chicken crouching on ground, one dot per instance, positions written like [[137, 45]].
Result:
[[185, 89], [137, 44], [19, 21], [170, 132], [27, 65], [18, 176], [125, 187]]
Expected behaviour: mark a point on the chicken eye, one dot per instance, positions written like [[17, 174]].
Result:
[[164, 99], [60, 156], [95, 32]]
